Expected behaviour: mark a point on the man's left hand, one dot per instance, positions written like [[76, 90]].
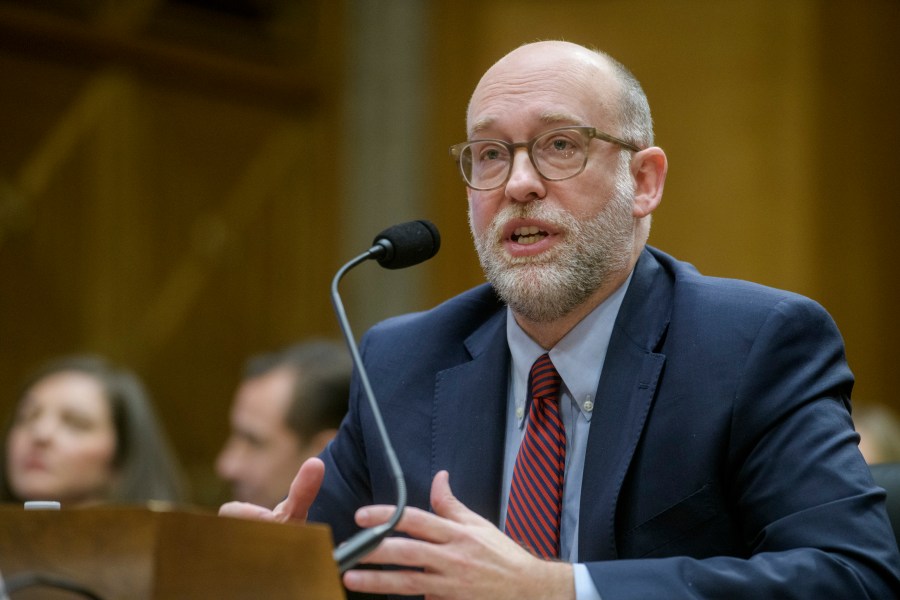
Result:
[[455, 554]]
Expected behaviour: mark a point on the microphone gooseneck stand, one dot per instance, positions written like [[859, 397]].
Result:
[[348, 554], [397, 247]]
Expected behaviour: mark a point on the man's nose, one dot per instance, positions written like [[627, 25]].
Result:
[[525, 183]]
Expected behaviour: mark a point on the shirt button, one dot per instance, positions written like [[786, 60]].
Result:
[[588, 406], [520, 412]]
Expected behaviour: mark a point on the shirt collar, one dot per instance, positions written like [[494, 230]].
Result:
[[578, 357]]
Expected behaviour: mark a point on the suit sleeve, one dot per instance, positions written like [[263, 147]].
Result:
[[810, 515]]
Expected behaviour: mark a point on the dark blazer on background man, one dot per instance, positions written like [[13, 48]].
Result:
[[721, 444]]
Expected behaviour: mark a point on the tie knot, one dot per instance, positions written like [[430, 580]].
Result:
[[545, 379]]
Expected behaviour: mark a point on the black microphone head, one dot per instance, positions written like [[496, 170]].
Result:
[[407, 244]]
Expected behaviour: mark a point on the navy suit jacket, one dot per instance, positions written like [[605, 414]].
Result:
[[721, 460]]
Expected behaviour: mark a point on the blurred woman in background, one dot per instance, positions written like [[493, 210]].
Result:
[[84, 432], [878, 427]]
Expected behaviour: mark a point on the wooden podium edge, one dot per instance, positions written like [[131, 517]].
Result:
[[161, 552]]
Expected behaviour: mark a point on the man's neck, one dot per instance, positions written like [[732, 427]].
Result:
[[549, 333]]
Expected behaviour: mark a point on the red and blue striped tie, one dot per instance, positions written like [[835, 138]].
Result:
[[535, 497]]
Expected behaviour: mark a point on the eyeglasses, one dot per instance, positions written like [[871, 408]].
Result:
[[556, 154]]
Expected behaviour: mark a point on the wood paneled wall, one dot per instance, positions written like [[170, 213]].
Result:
[[777, 118], [161, 201], [170, 206]]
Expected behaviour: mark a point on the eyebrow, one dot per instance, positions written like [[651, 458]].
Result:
[[548, 117]]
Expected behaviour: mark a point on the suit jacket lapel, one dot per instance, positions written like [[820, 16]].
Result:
[[624, 396], [469, 416]]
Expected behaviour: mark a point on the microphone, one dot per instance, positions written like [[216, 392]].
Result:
[[406, 244], [396, 247]]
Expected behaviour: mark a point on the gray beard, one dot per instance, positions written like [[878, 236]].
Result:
[[547, 287]]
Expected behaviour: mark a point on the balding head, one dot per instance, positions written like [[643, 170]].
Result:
[[616, 95]]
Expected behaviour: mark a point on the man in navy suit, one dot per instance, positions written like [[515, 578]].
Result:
[[709, 451]]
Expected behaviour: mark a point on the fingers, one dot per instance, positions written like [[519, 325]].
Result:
[[446, 505], [405, 552], [245, 510], [452, 553], [439, 527], [304, 489], [415, 522], [406, 583]]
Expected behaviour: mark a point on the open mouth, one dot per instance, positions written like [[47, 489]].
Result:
[[528, 235]]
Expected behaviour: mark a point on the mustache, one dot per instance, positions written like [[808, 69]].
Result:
[[530, 210]]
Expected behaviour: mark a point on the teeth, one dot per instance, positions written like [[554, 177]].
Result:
[[529, 239], [528, 235], [531, 230]]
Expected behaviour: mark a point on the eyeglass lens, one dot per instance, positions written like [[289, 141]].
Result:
[[556, 155]]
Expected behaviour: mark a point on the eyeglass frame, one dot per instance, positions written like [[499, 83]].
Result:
[[590, 133]]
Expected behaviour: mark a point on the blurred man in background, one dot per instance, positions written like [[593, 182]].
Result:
[[287, 408]]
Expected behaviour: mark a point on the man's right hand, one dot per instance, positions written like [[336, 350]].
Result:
[[295, 507]]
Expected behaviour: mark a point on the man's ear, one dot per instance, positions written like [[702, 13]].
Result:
[[648, 167]]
